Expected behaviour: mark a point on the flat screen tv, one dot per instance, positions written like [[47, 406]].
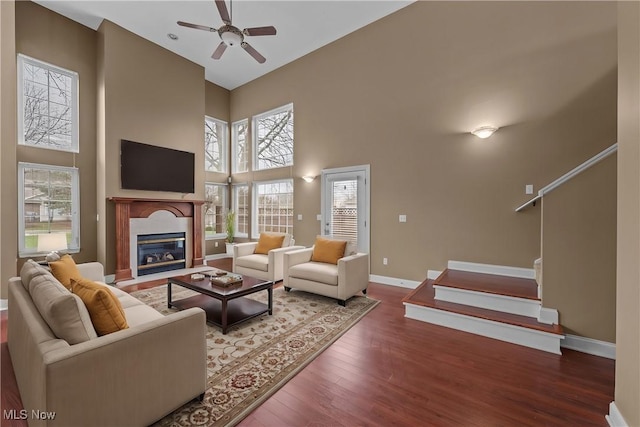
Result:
[[153, 168]]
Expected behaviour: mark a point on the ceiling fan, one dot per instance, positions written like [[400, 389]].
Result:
[[232, 35]]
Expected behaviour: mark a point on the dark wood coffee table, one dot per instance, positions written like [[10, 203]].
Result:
[[225, 306]]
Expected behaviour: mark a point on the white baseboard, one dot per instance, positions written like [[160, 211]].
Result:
[[615, 418], [403, 283], [549, 316], [487, 328], [500, 270], [488, 301], [433, 274], [590, 346]]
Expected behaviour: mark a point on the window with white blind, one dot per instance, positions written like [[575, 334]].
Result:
[[216, 141], [215, 206], [47, 105], [241, 207], [273, 138], [49, 202], [344, 210], [273, 206], [240, 150]]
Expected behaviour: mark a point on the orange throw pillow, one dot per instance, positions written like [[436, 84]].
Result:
[[329, 251], [64, 270], [104, 308], [268, 242]]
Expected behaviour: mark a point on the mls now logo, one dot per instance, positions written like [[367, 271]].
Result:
[[23, 414]]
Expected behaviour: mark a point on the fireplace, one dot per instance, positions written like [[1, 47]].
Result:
[[161, 252]]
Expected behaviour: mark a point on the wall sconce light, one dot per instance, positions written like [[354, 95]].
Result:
[[484, 131], [52, 243], [308, 178]]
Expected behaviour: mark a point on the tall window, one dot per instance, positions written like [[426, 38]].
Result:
[[273, 138], [273, 206], [47, 105], [240, 154], [215, 145], [49, 203], [241, 207], [215, 205]]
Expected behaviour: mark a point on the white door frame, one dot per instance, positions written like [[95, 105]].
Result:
[[364, 238]]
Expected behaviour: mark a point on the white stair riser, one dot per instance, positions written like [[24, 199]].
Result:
[[502, 303], [487, 328], [499, 270]]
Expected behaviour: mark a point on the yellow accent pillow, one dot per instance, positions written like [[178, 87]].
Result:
[[64, 270], [329, 251], [268, 242], [104, 308]]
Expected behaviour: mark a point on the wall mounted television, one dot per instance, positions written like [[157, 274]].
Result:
[[153, 168]]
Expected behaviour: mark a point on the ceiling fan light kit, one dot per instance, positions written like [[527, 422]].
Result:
[[231, 35]]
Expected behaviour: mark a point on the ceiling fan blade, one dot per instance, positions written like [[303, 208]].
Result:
[[196, 26], [260, 31], [219, 50], [246, 46], [224, 13]]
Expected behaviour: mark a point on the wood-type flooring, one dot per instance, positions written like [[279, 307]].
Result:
[[391, 371]]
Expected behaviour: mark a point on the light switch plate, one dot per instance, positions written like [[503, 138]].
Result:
[[299, 217], [528, 189], [403, 218], [319, 217]]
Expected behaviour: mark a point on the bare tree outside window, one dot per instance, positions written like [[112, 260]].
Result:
[[274, 206], [241, 208], [215, 141], [214, 208], [240, 149], [48, 101], [274, 138]]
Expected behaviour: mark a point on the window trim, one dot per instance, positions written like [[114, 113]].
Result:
[[254, 136], [254, 203], [235, 206], [75, 115], [225, 146], [234, 146], [225, 207], [75, 204]]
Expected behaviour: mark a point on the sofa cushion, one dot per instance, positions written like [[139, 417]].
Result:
[[140, 313], [125, 299], [64, 312], [104, 308], [29, 270], [64, 270], [316, 272], [254, 261], [268, 242], [329, 251]]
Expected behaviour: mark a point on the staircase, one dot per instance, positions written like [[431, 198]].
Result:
[[492, 301]]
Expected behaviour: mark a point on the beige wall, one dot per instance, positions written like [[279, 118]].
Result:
[[52, 38], [8, 180], [151, 96], [627, 394], [579, 252], [405, 108]]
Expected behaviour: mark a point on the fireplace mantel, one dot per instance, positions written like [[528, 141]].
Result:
[[127, 208]]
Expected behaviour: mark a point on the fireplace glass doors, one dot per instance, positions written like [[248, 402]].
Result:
[[160, 252]]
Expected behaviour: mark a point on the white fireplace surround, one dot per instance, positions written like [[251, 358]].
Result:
[[160, 221]]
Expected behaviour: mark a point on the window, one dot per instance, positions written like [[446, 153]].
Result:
[[240, 155], [47, 105], [215, 206], [241, 207], [273, 138], [273, 206], [49, 203], [215, 145]]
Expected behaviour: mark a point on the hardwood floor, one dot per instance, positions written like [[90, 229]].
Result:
[[389, 370]]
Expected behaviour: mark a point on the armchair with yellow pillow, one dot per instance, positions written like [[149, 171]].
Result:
[[94, 354], [263, 259], [330, 267]]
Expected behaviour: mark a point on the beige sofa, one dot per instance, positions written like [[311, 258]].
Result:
[[341, 281], [266, 267], [132, 377]]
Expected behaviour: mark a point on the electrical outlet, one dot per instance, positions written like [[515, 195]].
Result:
[[402, 218], [319, 217], [299, 217], [385, 261]]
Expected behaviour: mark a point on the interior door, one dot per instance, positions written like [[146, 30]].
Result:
[[345, 205]]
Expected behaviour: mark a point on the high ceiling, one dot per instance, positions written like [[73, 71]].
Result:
[[302, 27]]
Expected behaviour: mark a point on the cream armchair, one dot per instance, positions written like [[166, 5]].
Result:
[[263, 266], [341, 281]]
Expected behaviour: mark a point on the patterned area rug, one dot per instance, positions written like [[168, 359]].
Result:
[[259, 356]]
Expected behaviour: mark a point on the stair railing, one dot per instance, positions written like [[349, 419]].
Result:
[[567, 176]]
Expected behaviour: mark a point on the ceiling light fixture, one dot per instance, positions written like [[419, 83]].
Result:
[[172, 36], [231, 38], [484, 131]]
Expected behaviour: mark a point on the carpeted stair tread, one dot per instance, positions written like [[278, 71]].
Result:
[[424, 295], [489, 283]]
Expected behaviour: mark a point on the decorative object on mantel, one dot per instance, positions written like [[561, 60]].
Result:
[[254, 360]]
